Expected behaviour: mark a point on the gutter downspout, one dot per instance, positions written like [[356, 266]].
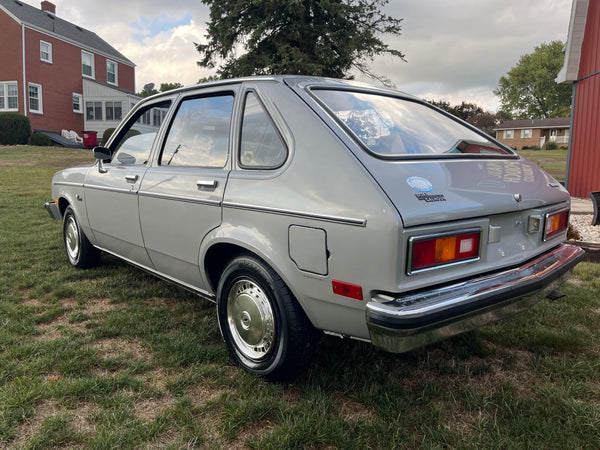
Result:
[[24, 70]]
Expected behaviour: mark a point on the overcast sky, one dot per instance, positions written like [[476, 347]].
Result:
[[455, 49]]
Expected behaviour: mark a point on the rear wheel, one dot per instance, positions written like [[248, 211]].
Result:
[[80, 252], [266, 331]]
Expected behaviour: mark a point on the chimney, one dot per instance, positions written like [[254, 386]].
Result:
[[49, 7]]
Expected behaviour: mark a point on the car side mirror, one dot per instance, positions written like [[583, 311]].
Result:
[[102, 154]]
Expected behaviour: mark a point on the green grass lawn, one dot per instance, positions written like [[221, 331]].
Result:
[[114, 358], [552, 161]]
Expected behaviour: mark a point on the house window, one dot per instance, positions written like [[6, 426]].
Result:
[[526, 134], [87, 64], [35, 98], [158, 115], [113, 110], [509, 134], [78, 103], [46, 51], [9, 97], [93, 110], [111, 72]]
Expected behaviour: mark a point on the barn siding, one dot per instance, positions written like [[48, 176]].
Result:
[[584, 173]]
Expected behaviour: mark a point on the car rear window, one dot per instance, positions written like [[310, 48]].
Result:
[[393, 127]]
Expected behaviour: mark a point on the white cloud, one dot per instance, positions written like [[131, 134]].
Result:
[[455, 50]]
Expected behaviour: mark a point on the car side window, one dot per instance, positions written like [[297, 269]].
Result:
[[134, 143], [261, 145], [199, 134]]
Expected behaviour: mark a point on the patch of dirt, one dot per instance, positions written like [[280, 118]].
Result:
[[46, 409], [31, 426], [54, 330], [114, 347], [81, 415], [202, 393], [98, 305], [353, 411], [257, 431], [5, 163], [148, 409]]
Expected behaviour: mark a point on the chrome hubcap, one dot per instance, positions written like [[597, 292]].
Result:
[[250, 319], [72, 238]]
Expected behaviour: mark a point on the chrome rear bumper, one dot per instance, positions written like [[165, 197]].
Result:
[[400, 324]]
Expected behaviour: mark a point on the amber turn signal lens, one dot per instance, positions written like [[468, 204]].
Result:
[[444, 250], [556, 223]]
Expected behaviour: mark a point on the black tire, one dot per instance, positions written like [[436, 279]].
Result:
[[80, 252], [266, 331]]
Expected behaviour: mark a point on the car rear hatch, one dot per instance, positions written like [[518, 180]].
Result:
[[446, 178], [425, 192]]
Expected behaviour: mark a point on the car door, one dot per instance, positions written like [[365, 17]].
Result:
[[181, 195], [111, 190]]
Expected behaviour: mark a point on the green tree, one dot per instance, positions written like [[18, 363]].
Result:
[[311, 37], [209, 79], [484, 120], [164, 87], [446, 106], [530, 91]]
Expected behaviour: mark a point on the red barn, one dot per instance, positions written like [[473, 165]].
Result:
[[58, 74], [582, 69]]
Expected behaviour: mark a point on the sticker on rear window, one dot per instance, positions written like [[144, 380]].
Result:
[[420, 184]]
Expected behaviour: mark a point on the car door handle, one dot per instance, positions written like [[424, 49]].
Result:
[[211, 184], [132, 178]]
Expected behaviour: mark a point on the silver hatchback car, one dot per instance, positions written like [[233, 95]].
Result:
[[300, 204]]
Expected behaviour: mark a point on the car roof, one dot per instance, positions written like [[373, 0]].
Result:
[[299, 82]]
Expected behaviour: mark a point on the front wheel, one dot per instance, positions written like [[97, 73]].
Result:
[[266, 331], [80, 252]]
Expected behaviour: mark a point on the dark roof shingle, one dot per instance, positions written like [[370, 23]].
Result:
[[55, 25], [554, 122]]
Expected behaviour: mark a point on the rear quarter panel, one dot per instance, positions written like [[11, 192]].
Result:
[[323, 187]]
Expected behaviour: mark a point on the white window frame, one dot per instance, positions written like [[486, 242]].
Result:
[[509, 134], [49, 60], [110, 104], [526, 132], [5, 85], [91, 55], [40, 109], [94, 104], [80, 97], [116, 65]]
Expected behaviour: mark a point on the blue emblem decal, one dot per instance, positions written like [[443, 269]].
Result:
[[420, 184]]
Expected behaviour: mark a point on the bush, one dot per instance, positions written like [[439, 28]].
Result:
[[106, 135], [14, 129], [40, 140], [551, 145]]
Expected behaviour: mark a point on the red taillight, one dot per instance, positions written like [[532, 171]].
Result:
[[556, 223], [347, 289], [444, 249]]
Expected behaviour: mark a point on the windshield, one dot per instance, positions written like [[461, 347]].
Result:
[[393, 127]]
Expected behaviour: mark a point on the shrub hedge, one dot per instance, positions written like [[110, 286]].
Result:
[[107, 134], [14, 129], [40, 140]]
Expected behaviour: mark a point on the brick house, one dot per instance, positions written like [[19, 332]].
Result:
[[582, 69], [58, 74], [527, 133]]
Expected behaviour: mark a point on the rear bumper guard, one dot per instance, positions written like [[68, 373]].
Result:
[[400, 324], [53, 210]]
